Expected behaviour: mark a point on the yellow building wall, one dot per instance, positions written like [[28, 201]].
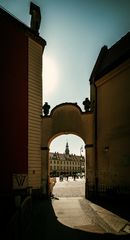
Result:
[[113, 129], [34, 113]]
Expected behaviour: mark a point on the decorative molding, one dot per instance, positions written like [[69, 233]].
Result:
[[113, 73], [45, 148]]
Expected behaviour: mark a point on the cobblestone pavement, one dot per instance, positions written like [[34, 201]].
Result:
[[76, 213], [72, 209], [69, 216], [69, 188]]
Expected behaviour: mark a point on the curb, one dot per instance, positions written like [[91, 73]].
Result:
[[110, 221]]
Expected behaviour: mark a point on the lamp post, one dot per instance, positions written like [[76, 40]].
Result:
[[81, 150]]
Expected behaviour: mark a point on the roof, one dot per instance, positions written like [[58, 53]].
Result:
[[63, 156], [26, 30], [111, 58]]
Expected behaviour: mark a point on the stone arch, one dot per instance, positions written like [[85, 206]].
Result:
[[72, 154], [65, 118], [64, 133]]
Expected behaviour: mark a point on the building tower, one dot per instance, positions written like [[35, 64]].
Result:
[[67, 151]]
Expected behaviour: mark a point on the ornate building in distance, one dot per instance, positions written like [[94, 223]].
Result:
[[66, 163]]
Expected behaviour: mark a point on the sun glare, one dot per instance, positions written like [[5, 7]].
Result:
[[50, 76]]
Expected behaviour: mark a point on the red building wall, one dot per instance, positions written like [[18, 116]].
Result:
[[13, 100]]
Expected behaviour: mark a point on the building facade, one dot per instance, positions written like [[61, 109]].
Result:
[[110, 98], [21, 104], [26, 135], [66, 164]]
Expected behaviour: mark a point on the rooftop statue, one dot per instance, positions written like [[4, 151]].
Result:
[[35, 17], [86, 104], [46, 108]]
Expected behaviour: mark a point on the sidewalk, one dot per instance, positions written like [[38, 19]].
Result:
[[110, 221], [66, 219]]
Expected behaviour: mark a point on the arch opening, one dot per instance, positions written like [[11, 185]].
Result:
[[65, 119], [66, 165]]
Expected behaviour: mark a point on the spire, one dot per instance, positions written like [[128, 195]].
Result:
[[67, 152]]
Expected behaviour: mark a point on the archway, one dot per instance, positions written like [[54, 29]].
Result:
[[67, 118], [67, 160]]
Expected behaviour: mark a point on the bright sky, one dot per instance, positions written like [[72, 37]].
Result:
[[75, 31]]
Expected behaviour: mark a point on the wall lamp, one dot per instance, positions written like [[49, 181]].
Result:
[[106, 148]]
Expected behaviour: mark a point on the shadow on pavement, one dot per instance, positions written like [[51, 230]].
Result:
[[46, 226]]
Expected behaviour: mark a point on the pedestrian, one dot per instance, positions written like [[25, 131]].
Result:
[[74, 176], [61, 178]]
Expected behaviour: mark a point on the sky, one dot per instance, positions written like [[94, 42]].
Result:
[[75, 32]]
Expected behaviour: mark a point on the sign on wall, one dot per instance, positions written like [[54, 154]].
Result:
[[20, 181]]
